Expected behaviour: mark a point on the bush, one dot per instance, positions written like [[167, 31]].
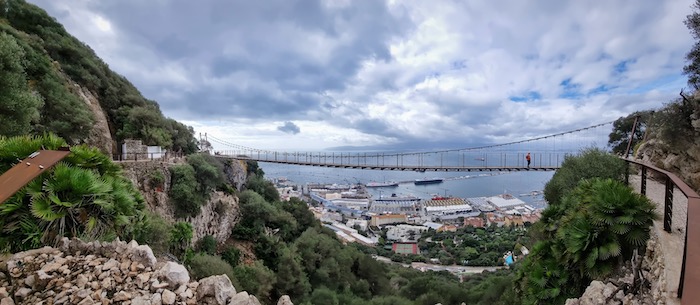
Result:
[[180, 237], [256, 279], [591, 163], [209, 172], [231, 256], [204, 265], [207, 245], [183, 192], [156, 179], [150, 230]]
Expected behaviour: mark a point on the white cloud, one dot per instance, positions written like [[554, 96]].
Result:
[[419, 71]]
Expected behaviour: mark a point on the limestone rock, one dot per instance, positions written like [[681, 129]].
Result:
[[174, 274], [243, 298], [215, 290], [109, 273], [285, 300], [168, 297]]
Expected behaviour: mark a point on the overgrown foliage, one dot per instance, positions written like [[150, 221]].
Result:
[[204, 265], [692, 69], [618, 140], [585, 233], [193, 182], [82, 196], [40, 61], [591, 163]]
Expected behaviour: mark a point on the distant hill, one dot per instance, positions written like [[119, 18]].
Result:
[[52, 82]]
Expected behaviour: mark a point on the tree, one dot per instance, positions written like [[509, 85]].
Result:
[[590, 163], [184, 191], [291, 278], [18, 106], [256, 279], [622, 128], [692, 69]]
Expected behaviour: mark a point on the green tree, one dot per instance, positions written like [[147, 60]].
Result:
[[183, 191], [692, 69], [610, 222], [18, 106], [256, 279], [622, 128], [208, 171], [291, 278]]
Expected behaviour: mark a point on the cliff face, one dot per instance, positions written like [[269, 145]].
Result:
[[218, 216], [673, 141], [100, 135], [683, 162]]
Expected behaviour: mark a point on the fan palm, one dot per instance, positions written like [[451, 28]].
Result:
[[608, 224], [84, 195]]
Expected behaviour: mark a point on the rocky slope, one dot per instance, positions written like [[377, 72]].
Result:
[[648, 287], [109, 273], [218, 216]]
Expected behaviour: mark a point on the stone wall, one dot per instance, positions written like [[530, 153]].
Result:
[[109, 273], [134, 150]]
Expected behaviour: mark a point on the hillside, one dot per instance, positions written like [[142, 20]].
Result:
[[52, 82]]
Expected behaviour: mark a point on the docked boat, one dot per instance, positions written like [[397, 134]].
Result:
[[382, 184], [428, 181]]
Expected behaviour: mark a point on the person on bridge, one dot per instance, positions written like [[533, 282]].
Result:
[[527, 157]]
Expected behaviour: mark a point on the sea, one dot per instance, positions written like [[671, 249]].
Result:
[[526, 185]]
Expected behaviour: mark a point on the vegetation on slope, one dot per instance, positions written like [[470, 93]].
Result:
[[84, 195], [38, 61], [593, 223]]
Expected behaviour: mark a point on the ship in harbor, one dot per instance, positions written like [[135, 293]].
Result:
[[428, 181], [382, 184]]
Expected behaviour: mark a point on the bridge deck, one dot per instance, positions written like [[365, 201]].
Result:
[[406, 167]]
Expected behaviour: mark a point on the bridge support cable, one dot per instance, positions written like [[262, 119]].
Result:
[[546, 152]]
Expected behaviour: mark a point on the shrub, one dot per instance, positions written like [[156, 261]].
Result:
[[207, 245], [231, 256], [150, 230], [156, 179], [204, 265], [180, 237], [209, 172], [256, 279], [591, 163], [183, 192]]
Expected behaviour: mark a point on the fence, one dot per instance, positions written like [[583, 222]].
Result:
[[690, 268], [146, 156]]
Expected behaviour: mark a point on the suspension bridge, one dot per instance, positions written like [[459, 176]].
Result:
[[546, 154]]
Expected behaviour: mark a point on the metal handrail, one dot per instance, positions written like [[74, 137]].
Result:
[[689, 277]]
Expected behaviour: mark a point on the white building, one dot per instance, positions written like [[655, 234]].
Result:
[[505, 201], [437, 209], [355, 204]]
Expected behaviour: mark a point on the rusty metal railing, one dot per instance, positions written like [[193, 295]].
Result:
[[690, 269]]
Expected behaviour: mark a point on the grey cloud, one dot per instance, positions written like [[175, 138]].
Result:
[[289, 127], [275, 41]]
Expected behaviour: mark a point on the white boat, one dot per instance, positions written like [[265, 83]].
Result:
[[382, 184]]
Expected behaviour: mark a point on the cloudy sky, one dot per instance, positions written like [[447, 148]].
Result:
[[316, 74]]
